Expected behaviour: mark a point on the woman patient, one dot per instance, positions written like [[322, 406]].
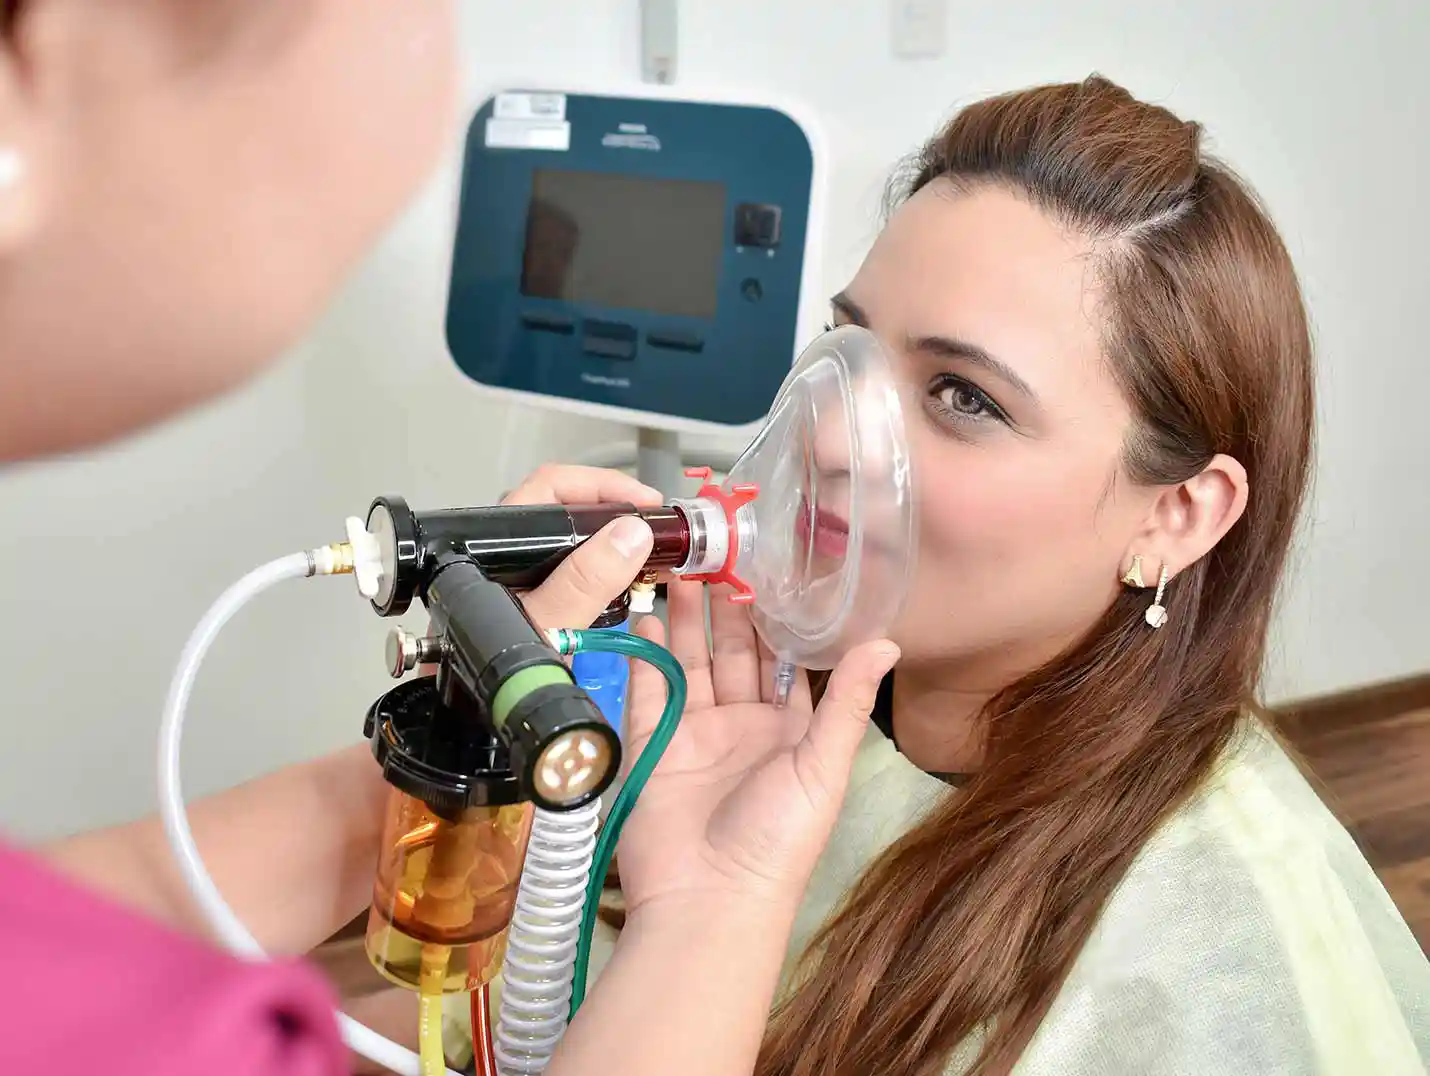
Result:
[[1071, 847], [1072, 844]]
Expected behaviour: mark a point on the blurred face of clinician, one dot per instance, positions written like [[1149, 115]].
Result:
[[183, 185]]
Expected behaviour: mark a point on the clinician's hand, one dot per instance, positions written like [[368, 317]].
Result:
[[607, 564], [746, 795]]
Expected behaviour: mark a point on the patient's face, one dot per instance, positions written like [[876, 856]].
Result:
[[198, 177], [1016, 427]]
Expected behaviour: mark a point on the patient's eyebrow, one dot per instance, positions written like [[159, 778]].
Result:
[[943, 348], [842, 304], [948, 347]]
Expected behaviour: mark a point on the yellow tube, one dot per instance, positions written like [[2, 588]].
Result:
[[429, 1024], [432, 1056]]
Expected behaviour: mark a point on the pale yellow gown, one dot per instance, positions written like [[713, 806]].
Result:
[[1249, 937]]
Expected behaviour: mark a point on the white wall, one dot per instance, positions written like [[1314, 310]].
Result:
[[110, 560]]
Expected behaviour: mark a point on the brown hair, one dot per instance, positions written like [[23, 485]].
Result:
[[972, 920]]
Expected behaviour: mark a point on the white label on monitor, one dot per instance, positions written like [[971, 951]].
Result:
[[528, 134], [530, 106]]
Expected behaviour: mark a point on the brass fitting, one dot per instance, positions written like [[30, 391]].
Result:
[[343, 558], [643, 592]]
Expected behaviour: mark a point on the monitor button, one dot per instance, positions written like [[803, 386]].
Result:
[[757, 225], [608, 339], [675, 341], [548, 323]]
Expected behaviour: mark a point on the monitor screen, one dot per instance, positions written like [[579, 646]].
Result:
[[625, 241]]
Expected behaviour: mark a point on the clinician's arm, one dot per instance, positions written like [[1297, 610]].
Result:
[[294, 852]]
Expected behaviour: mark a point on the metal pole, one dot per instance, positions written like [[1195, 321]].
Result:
[[658, 462]]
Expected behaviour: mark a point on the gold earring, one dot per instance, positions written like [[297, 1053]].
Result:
[[1133, 578], [1156, 614]]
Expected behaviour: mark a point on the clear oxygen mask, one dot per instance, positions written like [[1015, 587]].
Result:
[[813, 528], [826, 544]]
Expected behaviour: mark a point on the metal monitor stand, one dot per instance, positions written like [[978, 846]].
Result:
[[658, 461]]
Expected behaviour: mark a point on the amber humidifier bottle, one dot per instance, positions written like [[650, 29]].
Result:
[[453, 845]]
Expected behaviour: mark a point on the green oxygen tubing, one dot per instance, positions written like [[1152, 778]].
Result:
[[633, 646], [549, 942]]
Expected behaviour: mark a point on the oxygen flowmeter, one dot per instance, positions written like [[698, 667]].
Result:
[[493, 856]]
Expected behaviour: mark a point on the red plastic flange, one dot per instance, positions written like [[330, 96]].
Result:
[[730, 503]]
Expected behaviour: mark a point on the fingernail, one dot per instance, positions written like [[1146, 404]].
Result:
[[630, 536], [889, 654]]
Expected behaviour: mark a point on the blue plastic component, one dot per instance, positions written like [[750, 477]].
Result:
[[643, 255], [604, 677]]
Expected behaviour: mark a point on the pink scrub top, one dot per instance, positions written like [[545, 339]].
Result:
[[88, 987]]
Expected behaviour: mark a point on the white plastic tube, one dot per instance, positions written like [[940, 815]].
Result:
[[541, 943], [221, 917]]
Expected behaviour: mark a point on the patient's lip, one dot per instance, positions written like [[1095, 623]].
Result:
[[826, 531]]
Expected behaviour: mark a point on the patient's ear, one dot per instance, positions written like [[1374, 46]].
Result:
[[1187, 520]]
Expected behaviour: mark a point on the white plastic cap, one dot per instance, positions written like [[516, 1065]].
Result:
[[367, 557], [643, 600]]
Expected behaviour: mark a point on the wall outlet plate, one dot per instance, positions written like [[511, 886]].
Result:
[[919, 28]]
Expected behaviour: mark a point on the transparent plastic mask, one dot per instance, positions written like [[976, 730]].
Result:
[[829, 543]]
